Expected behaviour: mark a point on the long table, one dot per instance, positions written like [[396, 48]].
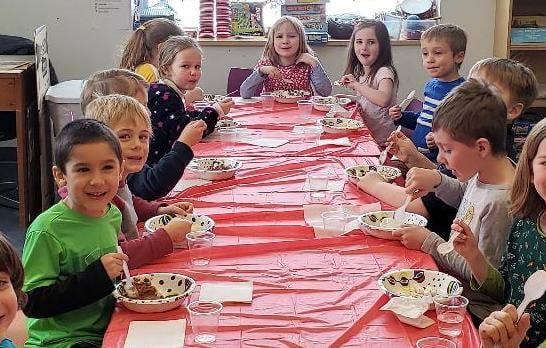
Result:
[[308, 291]]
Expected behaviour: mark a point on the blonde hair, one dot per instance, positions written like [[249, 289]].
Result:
[[525, 201], [269, 49], [111, 81], [145, 40], [454, 35], [170, 48], [114, 108], [516, 78]]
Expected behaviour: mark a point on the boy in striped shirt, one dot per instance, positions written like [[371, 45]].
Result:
[[443, 48]]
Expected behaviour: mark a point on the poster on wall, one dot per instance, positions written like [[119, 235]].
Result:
[[247, 18]]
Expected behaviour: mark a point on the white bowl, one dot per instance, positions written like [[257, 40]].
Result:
[[381, 224], [289, 97], [214, 168], [199, 222], [340, 125], [419, 283], [356, 173], [175, 287], [211, 98], [326, 103], [227, 124]]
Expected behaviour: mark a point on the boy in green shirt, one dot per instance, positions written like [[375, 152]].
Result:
[[69, 255]]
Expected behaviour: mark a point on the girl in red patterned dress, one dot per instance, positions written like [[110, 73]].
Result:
[[287, 63], [371, 74]]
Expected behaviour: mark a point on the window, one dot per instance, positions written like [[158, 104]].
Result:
[[188, 10]]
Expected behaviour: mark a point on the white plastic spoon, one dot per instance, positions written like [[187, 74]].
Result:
[[448, 247], [534, 288], [383, 154], [129, 288], [404, 104], [400, 213]]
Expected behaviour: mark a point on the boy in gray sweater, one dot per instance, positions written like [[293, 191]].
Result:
[[469, 129]]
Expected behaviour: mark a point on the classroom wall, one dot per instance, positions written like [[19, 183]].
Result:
[[77, 49]]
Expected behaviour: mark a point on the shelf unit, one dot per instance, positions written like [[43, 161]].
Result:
[[532, 54]]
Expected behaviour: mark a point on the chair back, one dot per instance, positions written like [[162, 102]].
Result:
[[236, 77]]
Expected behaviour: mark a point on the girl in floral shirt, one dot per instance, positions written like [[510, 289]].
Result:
[[526, 251], [180, 70], [287, 63]]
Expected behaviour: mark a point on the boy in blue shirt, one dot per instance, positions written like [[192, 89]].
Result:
[[443, 48]]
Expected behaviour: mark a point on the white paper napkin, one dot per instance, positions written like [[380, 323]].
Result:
[[339, 142], [333, 185], [156, 334], [266, 142], [311, 214], [187, 183], [338, 110], [299, 129], [407, 307], [226, 292]]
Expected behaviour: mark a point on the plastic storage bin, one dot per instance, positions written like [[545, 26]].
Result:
[[63, 103], [412, 29], [394, 27]]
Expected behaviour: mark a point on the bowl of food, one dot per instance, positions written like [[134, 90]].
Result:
[[326, 103], [227, 124], [211, 98], [381, 224], [419, 283], [199, 223], [155, 292], [356, 173], [337, 125], [289, 97], [214, 168]]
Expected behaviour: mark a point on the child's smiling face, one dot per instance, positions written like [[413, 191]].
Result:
[[366, 46], [134, 137], [539, 170], [8, 303], [439, 60], [92, 176], [286, 42]]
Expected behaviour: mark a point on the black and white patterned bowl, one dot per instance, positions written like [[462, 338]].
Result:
[[211, 98], [326, 103], [174, 287], [357, 172], [419, 283], [381, 224], [289, 97], [214, 168], [340, 125], [199, 223], [227, 124]]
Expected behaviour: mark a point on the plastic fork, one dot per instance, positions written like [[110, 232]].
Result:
[[400, 213], [534, 288], [404, 104], [129, 288], [384, 153], [448, 247]]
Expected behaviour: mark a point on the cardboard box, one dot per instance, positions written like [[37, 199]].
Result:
[[298, 2], [290, 10], [529, 22], [316, 37], [528, 35], [312, 21], [247, 18]]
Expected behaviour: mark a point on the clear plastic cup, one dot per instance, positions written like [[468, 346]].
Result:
[[228, 136], [268, 101], [313, 134], [318, 183], [204, 316], [305, 107], [200, 244], [334, 221], [435, 342], [450, 312]]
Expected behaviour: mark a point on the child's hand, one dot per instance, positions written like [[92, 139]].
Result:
[[193, 95], [421, 181], [429, 138], [412, 236], [193, 132], [270, 71], [502, 329], [349, 81], [177, 229], [308, 59], [113, 264], [465, 243], [395, 113], [226, 104], [176, 208], [402, 147]]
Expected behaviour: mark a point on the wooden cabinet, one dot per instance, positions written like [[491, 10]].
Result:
[[533, 54]]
